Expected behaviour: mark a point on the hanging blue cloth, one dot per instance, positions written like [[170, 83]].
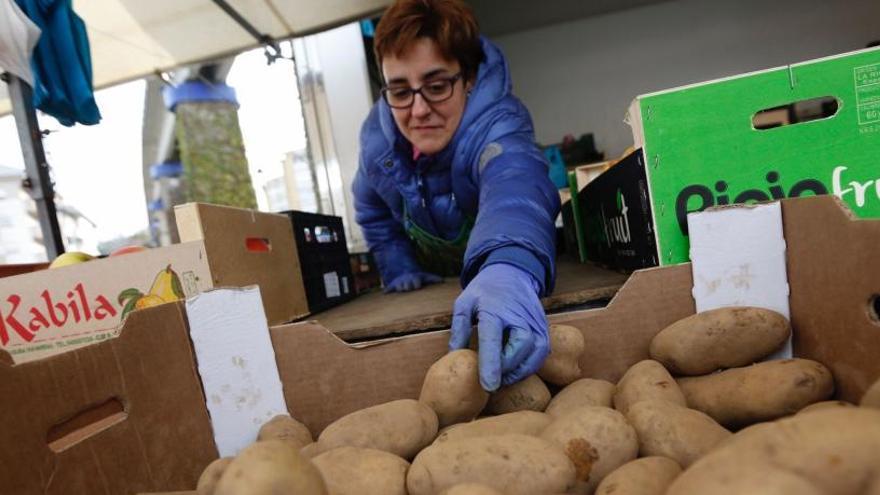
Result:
[[61, 63]]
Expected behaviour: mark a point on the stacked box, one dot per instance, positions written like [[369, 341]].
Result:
[[323, 258]]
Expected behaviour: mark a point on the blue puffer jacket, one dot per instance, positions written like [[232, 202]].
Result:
[[492, 170]]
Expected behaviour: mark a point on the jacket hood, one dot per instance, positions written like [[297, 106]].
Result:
[[493, 84]]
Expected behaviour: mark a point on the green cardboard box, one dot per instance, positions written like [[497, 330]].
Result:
[[748, 139]]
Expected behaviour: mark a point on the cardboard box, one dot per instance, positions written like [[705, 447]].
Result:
[[616, 214], [718, 142], [832, 273], [246, 247], [50, 311], [123, 416]]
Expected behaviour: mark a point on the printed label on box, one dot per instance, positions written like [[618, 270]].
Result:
[[52, 311], [331, 284]]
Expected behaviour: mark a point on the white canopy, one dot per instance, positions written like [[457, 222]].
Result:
[[133, 38]]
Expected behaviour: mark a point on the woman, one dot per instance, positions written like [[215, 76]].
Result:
[[451, 182]]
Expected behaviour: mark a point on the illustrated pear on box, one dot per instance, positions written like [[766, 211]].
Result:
[[166, 288]]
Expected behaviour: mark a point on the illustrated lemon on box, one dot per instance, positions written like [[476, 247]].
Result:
[[166, 288]]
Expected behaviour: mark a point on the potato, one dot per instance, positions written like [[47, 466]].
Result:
[[874, 487], [211, 475], [761, 392], [401, 427], [646, 380], [746, 478], [523, 422], [528, 395], [562, 365], [357, 471], [681, 434], [584, 392], [834, 449], [598, 440], [645, 476], [719, 338], [452, 388], [471, 489], [310, 450], [512, 464], [283, 427], [826, 404], [270, 467], [872, 396]]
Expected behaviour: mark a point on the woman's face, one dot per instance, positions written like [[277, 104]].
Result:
[[428, 126]]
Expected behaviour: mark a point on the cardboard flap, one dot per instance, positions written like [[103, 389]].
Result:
[[324, 378], [6, 358], [246, 247], [834, 274], [618, 335], [85, 421]]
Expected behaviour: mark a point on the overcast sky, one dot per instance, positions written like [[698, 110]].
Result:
[[97, 169]]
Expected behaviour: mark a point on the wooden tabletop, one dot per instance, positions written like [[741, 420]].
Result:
[[376, 314]]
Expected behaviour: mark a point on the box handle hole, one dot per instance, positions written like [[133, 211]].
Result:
[[799, 112], [86, 424], [258, 244], [874, 308]]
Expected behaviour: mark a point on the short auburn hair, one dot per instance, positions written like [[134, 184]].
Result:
[[450, 23]]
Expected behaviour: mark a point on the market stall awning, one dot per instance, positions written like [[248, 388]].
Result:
[[134, 38]]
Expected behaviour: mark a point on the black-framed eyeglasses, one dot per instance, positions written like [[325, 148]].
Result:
[[434, 91]]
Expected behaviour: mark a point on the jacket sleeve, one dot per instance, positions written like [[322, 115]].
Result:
[[518, 205], [384, 234]]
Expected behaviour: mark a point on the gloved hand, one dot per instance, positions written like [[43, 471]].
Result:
[[503, 298], [412, 281]]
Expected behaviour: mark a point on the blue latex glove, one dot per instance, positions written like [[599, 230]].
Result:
[[503, 298], [412, 281]]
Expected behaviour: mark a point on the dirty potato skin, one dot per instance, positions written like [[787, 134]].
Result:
[[452, 388], [646, 380], [270, 467], [283, 427], [645, 476], [761, 392], [211, 475], [530, 394], [719, 339], [511, 464], [669, 430], [401, 427], [583, 392], [523, 422], [357, 471], [562, 365], [598, 440]]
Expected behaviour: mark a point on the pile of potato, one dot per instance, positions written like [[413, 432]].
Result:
[[665, 427]]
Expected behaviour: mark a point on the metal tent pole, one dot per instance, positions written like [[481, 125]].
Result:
[[37, 181]]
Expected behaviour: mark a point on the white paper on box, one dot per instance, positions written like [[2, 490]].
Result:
[[236, 363], [738, 259]]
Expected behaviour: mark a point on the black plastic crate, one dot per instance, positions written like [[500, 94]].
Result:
[[323, 259]]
